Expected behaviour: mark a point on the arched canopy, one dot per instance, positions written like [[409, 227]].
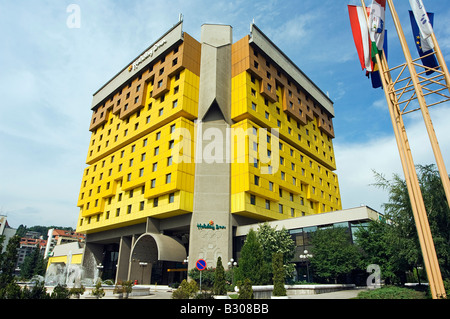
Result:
[[151, 247]]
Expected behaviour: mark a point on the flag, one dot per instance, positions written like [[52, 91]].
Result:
[[423, 45], [360, 36], [424, 23], [376, 25], [363, 43], [375, 74]]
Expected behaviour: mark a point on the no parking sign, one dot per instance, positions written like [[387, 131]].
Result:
[[200, 264]]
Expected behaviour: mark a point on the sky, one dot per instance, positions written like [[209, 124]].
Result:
[[50, 69]]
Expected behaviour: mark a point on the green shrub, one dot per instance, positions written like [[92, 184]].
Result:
[[186, 290], [392, 292], [278, 275], [245, 289]]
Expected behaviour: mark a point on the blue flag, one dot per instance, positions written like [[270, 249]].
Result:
[[429, 61]]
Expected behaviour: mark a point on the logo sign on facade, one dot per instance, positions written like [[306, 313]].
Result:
[[147, 54], [200, 264], [210, 225]]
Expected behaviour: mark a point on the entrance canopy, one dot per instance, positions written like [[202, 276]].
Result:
[[151, 247]]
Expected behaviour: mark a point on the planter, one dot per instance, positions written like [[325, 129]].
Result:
[[279, 297]]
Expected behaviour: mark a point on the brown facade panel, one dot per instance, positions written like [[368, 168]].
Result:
[[154, 80], [295, 100]]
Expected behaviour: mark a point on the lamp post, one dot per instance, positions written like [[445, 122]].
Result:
[[232, 264], [186, 261], [305, 257]]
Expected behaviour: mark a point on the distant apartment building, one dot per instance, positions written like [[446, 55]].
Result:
[[6, 230], [60, 236]]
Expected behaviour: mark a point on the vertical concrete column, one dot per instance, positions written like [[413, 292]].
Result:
[[211, 231], [123, 262]]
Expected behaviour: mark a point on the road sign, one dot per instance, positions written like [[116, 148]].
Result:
[[200, 264]]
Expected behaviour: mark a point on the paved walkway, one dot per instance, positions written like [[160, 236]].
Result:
[[162, 293]]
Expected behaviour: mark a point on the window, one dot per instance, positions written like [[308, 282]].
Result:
[[256, 180], [169, 161], [168, 178], [175, 104], [280, 208], [172, 128], [160, 112], [171, 143], [158, 136], [129, 177], [160, 82], [117, 212], [171, 197], [131, 162], [141, 205], [271, 186], [155, 167], [156, 150], [253, 106], [155, 202], [129, 209], [252, 199], [153, 183], [141, 172], [142, 157], [267, 204]]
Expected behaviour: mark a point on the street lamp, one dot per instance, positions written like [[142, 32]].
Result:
[[186, 261], [305, 257], [232, 264]]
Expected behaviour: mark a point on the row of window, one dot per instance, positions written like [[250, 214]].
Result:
[[129, 208]]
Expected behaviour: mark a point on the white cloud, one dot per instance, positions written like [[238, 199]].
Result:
[[356, 161]]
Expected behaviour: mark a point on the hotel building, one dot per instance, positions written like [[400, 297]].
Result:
[[193, 139]]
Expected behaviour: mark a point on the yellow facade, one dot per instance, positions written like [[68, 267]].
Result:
[[301, 179], [134, 171], [141, 164]]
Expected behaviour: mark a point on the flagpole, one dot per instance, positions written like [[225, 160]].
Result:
[[441, 60], [440, 291], [417, 204], [421, 98]]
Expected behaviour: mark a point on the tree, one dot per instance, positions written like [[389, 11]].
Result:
[[403, 233], [278, 275], [219, 278], [33, 265], [8, 261], [276, 241], [333, 254], [251, 262], [377, 248]]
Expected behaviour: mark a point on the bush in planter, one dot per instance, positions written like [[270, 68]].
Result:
[[77, 291], [245, 289], [278, 275], [98, 290], [124, 288], [186, 290], [219, 279]]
